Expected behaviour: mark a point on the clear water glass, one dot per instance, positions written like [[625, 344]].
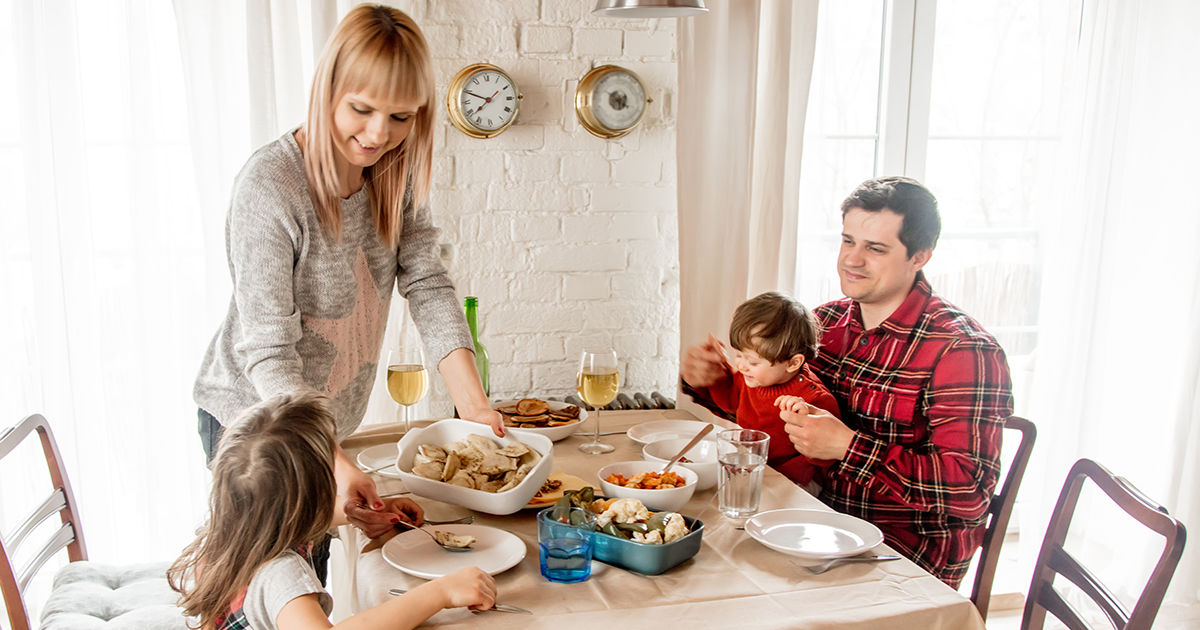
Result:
[[742, 456]]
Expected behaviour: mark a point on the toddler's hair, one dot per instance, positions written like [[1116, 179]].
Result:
[[273, 491], [776, 326]]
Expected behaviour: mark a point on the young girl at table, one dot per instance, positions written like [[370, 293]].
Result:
[[774, 337], [273, 497]]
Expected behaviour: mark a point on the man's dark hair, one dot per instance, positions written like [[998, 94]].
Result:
[[917, 207]]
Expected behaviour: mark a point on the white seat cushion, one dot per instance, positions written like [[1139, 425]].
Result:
[[90, 595]]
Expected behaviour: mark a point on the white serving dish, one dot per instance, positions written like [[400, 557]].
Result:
[[813, 534], [554, 433], [656, 430], [445, 431], [703, 458], [663, 500]]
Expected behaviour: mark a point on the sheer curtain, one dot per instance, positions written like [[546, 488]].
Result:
[[104, 274], [1117, 377], [744, 72]]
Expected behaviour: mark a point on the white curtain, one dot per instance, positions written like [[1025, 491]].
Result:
[[744, 72], [1117, 377], [104, 275]]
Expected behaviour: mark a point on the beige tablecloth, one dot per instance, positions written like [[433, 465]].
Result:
[[732, 582]]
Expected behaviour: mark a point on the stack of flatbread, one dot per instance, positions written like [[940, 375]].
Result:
[[532, 413]]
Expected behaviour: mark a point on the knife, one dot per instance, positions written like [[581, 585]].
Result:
[[508, 608]]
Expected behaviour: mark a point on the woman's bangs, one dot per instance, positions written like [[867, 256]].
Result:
[[387, 72]]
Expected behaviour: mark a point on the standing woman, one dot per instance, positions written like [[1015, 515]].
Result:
[[323, 222]]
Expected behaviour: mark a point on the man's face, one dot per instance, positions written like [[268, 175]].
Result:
[[873, 265]]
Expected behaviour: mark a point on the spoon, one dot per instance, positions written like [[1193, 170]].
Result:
[[817, 569], [435, 539], [465, 520], [699, 436]]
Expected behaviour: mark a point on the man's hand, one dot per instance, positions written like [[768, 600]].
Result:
[[704, 365], [814, 432]]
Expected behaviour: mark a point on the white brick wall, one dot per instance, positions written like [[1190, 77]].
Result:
[[564, 237]]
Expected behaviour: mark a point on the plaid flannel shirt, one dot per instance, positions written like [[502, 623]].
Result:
[[927, 392]]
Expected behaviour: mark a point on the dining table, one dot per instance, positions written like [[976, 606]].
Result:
[[732, 582]]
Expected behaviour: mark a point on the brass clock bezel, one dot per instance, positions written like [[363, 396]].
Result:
[[584, 108], [454, 101]]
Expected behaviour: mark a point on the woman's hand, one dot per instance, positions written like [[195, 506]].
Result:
[[462, 379], [361, 503], [486, 416], [377, 522]]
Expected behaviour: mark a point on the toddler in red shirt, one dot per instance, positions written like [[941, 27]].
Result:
[[773, 336]]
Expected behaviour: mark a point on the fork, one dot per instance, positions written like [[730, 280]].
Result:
[[495, 607], [817, 569]]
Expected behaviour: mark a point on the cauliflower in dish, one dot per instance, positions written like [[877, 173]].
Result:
[[623, 511]]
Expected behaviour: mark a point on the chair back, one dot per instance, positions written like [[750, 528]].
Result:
[[61, 500], [1000, 511], [1054, 560]]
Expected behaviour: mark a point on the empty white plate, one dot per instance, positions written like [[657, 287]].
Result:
[[495, 550], [655, 430], [380, 455], [813, 534]]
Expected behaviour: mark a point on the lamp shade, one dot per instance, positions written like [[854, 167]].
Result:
[[649, 8]]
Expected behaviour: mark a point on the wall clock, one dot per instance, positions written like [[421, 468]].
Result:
[[610, 101], [482, 100]]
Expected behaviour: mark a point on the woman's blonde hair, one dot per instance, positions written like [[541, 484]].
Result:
[[381, 50], [273, 490]]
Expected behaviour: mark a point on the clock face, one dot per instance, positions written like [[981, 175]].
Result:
[[618, 101], [488, 100]]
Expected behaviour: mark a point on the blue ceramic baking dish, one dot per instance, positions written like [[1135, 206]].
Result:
[[647, 559]]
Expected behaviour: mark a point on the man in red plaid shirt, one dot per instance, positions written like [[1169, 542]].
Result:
[[923, 388]]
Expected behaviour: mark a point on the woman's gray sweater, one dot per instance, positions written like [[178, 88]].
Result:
[[308, 311]]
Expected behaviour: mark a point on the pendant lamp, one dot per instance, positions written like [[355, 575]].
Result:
[[649, 8]]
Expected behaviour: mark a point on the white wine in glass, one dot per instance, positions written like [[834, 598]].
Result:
[[598, 383], [407, 379]]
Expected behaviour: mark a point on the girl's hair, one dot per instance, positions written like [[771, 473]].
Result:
[[273, 490], [776, 326], [380, 50]]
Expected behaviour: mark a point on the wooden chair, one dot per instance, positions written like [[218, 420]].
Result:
[[999, 513], [1054, 560], [85, 594]]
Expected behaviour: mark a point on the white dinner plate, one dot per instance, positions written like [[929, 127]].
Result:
[[495, 550], [655, 430], [813, 534], [380, 455]]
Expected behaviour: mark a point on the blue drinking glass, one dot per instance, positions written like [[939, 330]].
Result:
[[565, 549]]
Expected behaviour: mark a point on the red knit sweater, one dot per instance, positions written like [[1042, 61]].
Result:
[[754, 408]]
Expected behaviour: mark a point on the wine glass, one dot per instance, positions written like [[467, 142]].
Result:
[[407, 380], [597, 385]]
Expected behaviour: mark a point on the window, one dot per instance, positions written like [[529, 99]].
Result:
[[965, 97]]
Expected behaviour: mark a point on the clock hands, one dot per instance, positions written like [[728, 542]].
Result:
[[486, 99]]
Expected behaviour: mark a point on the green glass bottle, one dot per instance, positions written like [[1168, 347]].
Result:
[[481, 355]]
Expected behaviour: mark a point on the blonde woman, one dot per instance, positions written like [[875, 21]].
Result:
[[323, 223], [273, 498]]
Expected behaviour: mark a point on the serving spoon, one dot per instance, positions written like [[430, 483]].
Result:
[[686, 447]]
